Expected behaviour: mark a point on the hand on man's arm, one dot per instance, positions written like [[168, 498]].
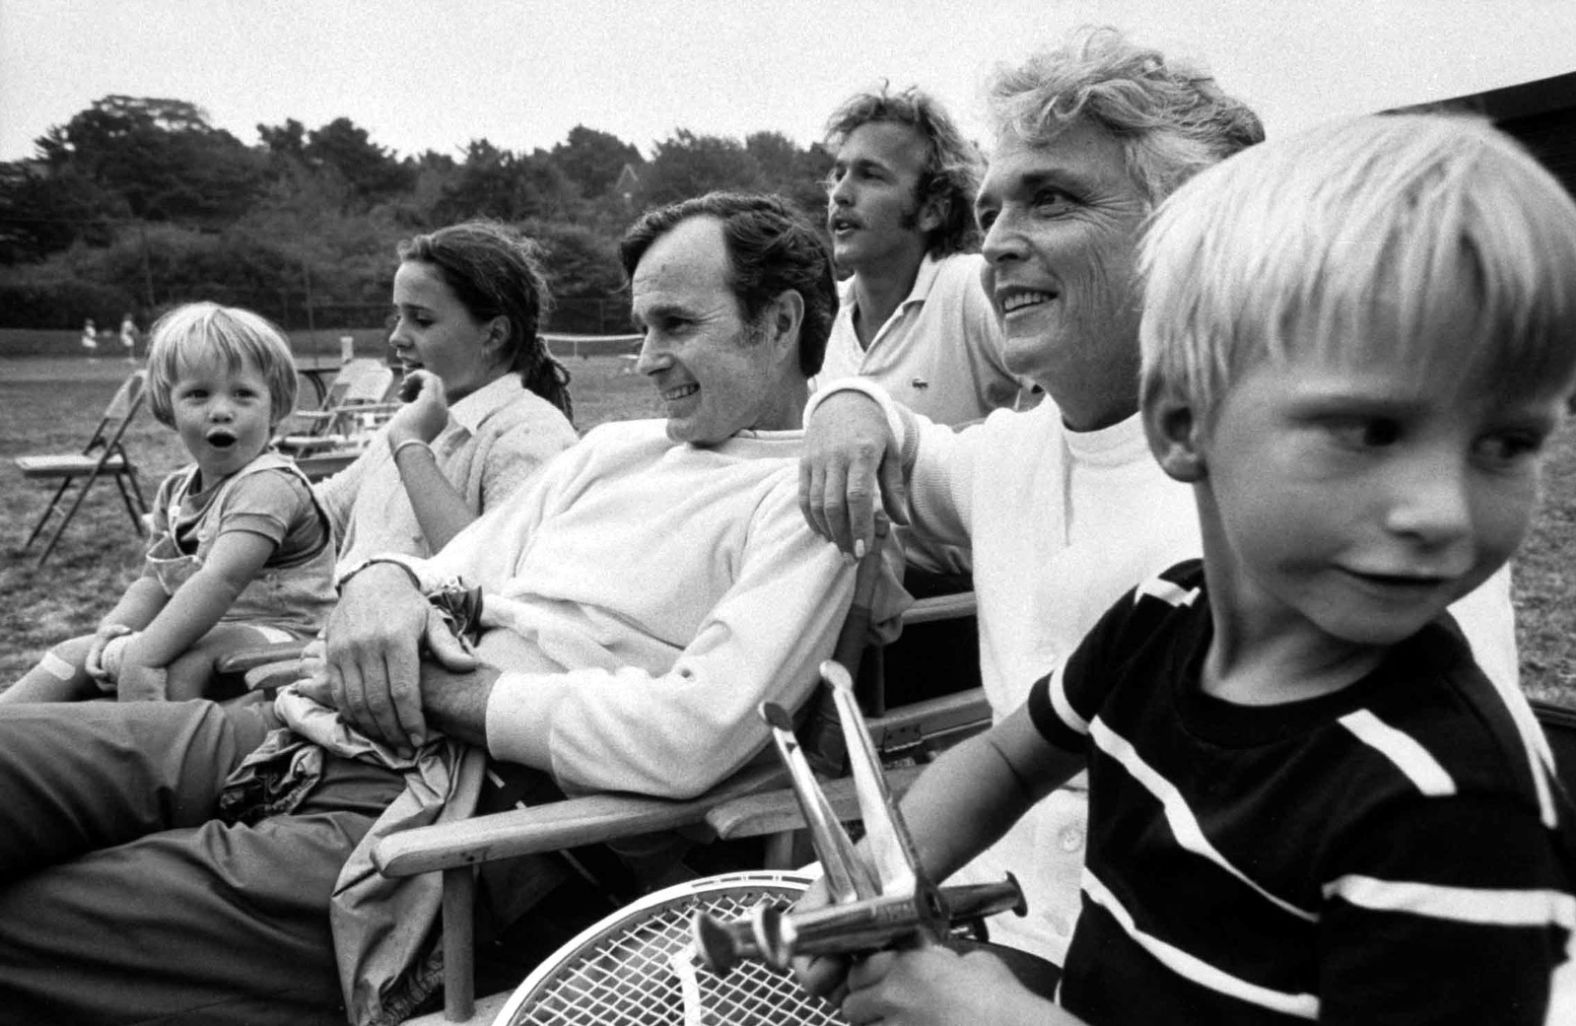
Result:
[[453, 702], [376, 637], [456, 702], [850, 458]]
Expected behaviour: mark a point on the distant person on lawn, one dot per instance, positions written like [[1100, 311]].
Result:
[[90, 338], [241, 554], [128, 337]]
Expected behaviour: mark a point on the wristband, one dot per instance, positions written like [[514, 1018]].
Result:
[[415, 581], [409, 442]]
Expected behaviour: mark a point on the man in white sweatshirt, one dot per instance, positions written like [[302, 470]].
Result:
[[639, 599]]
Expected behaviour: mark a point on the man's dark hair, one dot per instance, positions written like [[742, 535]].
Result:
[[771, 248], [951, 174]]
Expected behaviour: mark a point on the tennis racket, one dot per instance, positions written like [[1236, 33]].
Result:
[[636, 966]]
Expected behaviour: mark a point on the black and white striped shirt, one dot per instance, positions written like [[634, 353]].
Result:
[[1395, 852]]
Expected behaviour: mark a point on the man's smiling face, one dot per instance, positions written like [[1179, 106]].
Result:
[[1061, 221], [715, 372]]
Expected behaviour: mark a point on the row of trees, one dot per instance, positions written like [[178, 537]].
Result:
[[139, 203]]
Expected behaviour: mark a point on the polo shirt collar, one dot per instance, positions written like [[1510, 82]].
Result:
[[482, 403], [924, 281]]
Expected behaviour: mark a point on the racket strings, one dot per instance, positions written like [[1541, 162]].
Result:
[[628, 978]]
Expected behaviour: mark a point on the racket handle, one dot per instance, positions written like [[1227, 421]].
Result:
[[772, 936], [723, 945]]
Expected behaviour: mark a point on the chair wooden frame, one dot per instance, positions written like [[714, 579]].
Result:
[[104, 456]]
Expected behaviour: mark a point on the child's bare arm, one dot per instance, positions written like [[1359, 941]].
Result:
[[969, 797], [138, 605], [960, 805], [136, 609], [236, 558]]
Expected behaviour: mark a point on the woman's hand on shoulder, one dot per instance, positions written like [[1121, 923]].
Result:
[[426, 410], [851, 470], [378, 636]]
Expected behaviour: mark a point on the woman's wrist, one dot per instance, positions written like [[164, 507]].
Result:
[[406, 444]]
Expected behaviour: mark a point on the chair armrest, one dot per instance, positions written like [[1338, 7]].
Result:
[[941, 607], [773, 812], [938, 722], [317, 466], [262, 655], [905, 731], [556, 825], [358, 408], [300, 446], [273, 676]]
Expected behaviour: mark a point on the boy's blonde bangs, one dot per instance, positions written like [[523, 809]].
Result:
[[199, 331], [1394, 224]]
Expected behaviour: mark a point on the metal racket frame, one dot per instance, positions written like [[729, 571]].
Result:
[[620, 971]]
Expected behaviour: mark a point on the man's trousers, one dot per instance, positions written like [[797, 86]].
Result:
[[122, 898]]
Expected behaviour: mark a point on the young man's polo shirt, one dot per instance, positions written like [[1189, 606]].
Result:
[[939, 354]]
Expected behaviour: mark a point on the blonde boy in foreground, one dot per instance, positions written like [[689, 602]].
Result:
[[1307, 803]]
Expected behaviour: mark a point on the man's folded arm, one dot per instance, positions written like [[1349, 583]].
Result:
[[680, 732]]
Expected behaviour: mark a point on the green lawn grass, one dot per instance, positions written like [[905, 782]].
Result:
[[50, 405]]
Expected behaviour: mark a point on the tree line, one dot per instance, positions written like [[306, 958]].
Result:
[[137, 203]]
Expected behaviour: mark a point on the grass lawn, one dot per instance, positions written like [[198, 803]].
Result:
[[50, 405]]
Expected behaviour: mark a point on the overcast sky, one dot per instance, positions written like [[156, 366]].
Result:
[[435, 74]]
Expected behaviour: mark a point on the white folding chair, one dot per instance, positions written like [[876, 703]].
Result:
[[104, 456]]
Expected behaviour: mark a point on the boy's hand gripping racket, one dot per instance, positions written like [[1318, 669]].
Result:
[[878, 900]]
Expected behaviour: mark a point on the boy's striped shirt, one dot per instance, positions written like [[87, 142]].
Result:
[[1395, 852]]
